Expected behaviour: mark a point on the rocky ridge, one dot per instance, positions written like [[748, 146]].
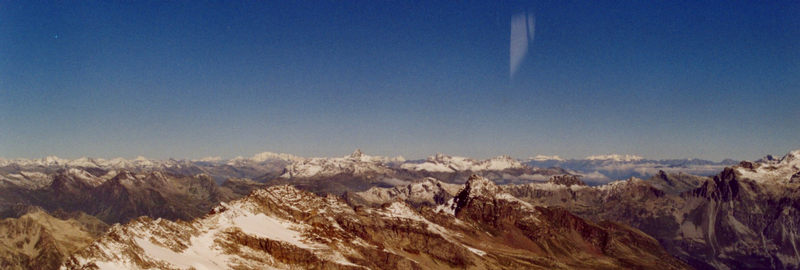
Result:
[[283, 227], [745, 217]]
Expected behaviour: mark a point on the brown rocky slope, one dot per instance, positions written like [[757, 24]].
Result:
[[281, 227]]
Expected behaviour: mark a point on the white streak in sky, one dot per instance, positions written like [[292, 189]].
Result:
[[522, 29]]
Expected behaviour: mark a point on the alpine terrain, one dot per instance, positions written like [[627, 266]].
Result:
[[359, 211]]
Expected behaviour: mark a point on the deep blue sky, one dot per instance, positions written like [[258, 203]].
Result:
[[662, 79]]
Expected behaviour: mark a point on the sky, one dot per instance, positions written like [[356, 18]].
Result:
[[186, 79]]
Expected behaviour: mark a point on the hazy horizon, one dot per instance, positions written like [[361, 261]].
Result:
[[597, 156], [711, 80]]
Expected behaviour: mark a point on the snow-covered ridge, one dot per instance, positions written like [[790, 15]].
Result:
[[435, 163], [224, 238], [772, 170], [356, 163], [445, 163], [53, 161], [202, 243], [594, 169], [424, 191], [261, 157], [46, 161], [143, 162]]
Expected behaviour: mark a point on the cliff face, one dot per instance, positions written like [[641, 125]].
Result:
[[427, 192]]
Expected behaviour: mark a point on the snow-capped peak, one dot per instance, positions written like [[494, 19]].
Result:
[[480, 186], [118, 162], [357, 163], [143, 162], [500, 163], [445, 163], [53, 160], [358, 155]]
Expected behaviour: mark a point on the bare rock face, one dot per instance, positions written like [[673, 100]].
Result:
[[675, 183], [555, 232], [285, 228], [567, 180], [37, 240]]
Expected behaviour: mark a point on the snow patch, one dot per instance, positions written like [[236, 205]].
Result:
[[268, 227], [476, 251]]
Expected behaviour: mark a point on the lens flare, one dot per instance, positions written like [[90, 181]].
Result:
[[522, 30]]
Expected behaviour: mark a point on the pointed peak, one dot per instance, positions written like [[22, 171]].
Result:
[[357, 154], [791, 156], [480, 187]]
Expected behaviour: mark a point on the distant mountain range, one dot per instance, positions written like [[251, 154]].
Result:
[[284, 211], [606, 168], [594, 170]]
